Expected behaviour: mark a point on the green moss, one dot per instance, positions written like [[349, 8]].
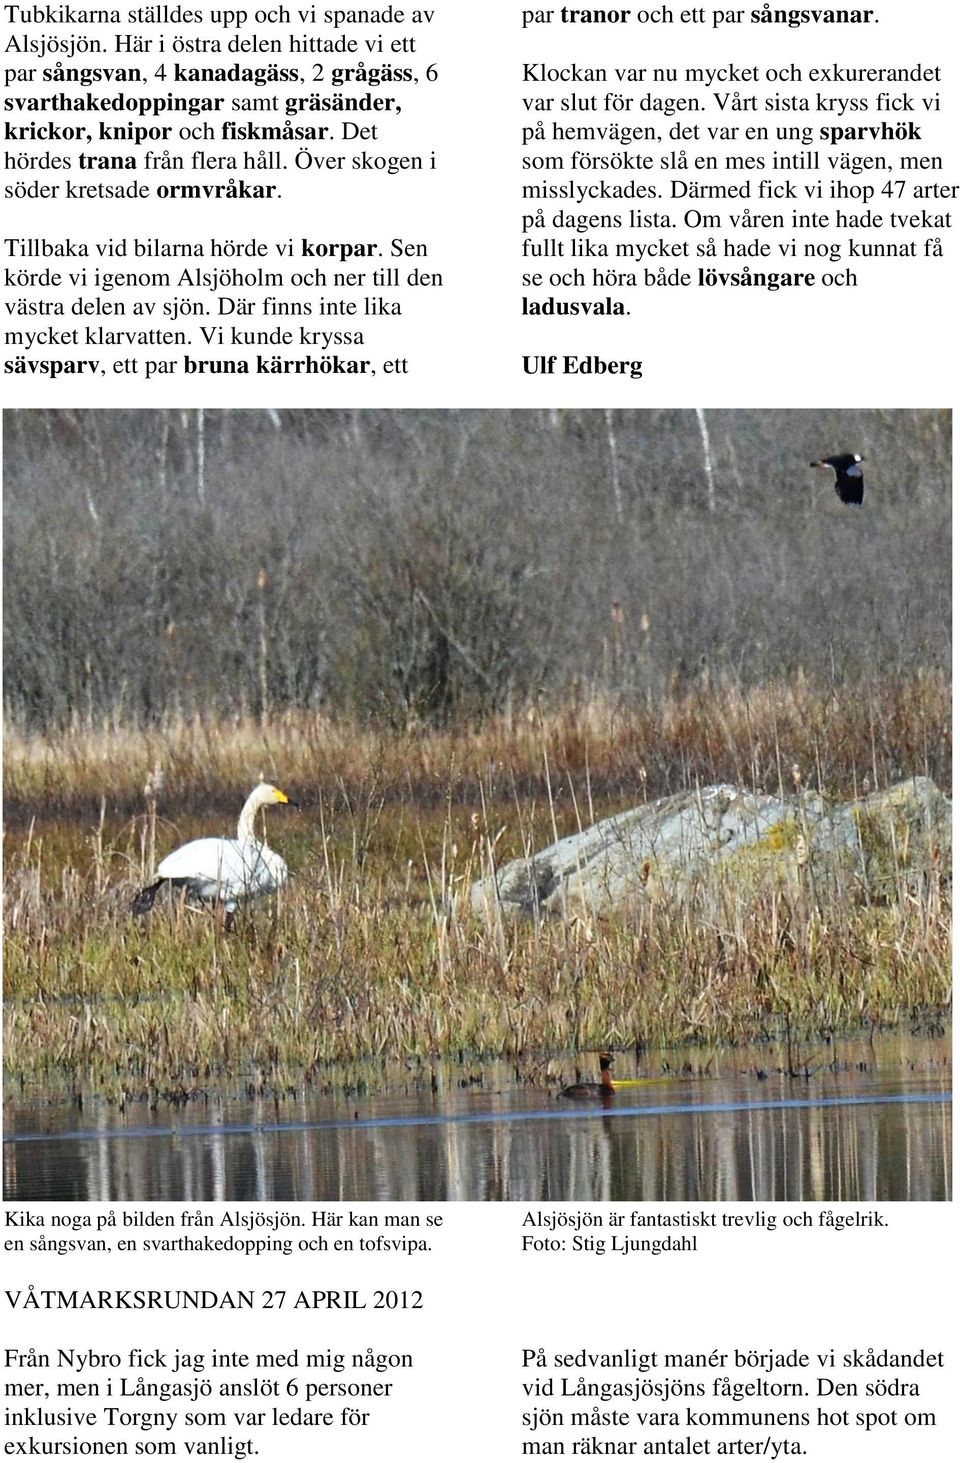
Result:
[[780, 837]]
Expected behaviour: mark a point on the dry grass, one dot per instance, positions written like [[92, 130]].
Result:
[[369, 953], [882, 729]]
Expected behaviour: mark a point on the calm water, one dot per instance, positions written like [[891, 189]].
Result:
[[859, 1120]]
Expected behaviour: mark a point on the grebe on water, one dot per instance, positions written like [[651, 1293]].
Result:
[[594, 1089]]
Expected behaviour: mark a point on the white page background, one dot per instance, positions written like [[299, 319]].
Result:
[[889, 343]]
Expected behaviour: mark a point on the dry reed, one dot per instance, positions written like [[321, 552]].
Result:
[[370, 951]]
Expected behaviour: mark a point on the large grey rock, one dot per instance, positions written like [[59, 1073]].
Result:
[[666, 848]]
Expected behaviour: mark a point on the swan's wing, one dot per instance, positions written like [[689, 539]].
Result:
[[204, 858], [264, 870], [212, 867], [224, 868]]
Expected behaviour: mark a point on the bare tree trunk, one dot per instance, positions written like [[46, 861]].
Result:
[[201, 485], [88, 430], [614, 465], [263, 582], [707, 459], [732, 454], [162, 458]]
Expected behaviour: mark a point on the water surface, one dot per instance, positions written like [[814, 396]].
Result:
[[866, 1118]]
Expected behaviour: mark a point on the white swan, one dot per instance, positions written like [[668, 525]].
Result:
[[224, 870]]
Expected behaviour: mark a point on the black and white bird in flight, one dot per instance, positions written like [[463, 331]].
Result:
[[849, 484]]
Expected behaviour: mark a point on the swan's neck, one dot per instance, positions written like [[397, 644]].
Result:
[[246, 831]]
